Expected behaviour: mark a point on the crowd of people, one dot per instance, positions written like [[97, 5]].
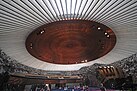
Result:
[[64, 88]]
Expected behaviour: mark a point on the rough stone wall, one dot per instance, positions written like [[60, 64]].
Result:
[[128, 65], [12, 66]]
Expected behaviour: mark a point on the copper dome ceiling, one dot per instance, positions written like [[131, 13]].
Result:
[[70, 41], [19, 18]]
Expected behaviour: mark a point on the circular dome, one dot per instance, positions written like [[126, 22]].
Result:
[[70, 41]]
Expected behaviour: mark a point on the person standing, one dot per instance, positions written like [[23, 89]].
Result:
[[102, 88]]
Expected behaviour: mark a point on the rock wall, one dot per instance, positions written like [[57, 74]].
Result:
[[128, 65]]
